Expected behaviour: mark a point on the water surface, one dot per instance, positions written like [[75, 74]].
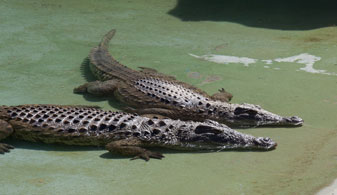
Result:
[[43, 44]]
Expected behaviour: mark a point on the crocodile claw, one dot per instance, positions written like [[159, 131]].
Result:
[[80, 89], [5, 148], [222, 90]]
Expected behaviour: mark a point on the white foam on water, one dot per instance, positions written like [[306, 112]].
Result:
[[268, 61], [307, 59], [221, 59]]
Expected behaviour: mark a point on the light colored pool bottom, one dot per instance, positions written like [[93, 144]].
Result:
[[45, 41], [329, 190]]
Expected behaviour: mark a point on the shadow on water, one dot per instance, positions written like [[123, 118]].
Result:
[[273, 14], [50, 147], [105, 155], [85, 70], [164, 151]]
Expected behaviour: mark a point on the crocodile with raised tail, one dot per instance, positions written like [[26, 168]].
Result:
[[150, 92], [126, 134]]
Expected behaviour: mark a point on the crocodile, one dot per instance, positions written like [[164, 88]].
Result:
[[124, 133], [150, 92]]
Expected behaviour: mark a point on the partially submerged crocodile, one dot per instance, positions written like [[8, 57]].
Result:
[[126, 134], [150, 92]]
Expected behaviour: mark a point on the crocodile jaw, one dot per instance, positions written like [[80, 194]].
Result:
[[211, 135], [248, 115]]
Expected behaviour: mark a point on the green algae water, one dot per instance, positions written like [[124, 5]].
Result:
[[43, 44]]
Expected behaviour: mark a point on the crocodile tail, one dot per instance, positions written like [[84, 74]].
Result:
[[104, 66], [104, 44]]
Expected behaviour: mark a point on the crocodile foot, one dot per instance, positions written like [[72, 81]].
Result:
[[81, 89], [146, 155], [97, 87], [222, 95], [5, 148], [132, 147]]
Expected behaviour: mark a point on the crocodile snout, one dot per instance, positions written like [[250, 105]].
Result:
[[294, 121]]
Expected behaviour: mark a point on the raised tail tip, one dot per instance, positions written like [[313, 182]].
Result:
[[111, 33], [107, 37]]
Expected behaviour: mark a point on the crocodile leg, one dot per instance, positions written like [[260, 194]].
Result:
[[5, 130], [132, 147], [98, 87], [222, 95]]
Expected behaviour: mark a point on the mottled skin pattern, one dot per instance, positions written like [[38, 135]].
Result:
[[150, 92], [126, 134]]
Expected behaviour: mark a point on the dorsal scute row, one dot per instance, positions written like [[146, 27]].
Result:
[[70, 119], [171, 93], [92, 121]]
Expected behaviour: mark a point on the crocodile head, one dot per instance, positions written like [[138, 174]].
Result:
[[248, 115], [212, 135]]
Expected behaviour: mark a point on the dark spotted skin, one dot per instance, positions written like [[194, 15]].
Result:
[[150, 92], [127, 134]]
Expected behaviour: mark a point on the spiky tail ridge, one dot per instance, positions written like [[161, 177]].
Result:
[[104, 44], [104, 66]]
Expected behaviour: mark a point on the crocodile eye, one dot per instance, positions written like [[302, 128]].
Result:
[[206, 129], [239, 111]]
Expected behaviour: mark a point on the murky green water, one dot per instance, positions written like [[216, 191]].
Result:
[[44, 42]]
